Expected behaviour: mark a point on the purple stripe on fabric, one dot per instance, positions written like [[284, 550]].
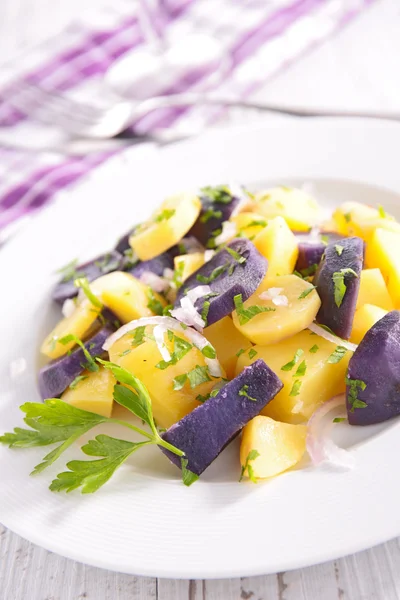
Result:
[[274, 25]]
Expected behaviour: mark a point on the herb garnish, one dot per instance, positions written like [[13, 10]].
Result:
[[138, 336], [178, 273], [108, 263], [83, 283], [210, 213], [196, 377], [246, 314], [91, 364], [240, 352], [188, 477], [219, 193], [209, 352], [339, 249], [347, 217], [238, 257], [381, 211], [256, 223], [181, 348], [243, 392], [307, 272], [153, 304], [305, 293], [252, 455], [337, 355], [295, 391], [69, 271], [214, 274], [164, 215], [289, 366], [301, 369], [130, 258], [339, 284], [252, 353], [354, 384], [339, 419], [314, 349], [75, 382], [55, 421]]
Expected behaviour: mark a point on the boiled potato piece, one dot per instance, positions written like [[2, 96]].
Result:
[[279, 246], [279, 446], [248, 224], [127, 297], [364, 318], [187, 264], [281, 322], [169, 405], [93, 393], [364, 228], [77, 324], [227, 341], [299, 209], [383, 251], [345, 215], [373, 290], [167, 227], [320, 381]]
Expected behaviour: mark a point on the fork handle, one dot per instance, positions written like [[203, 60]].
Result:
[[213, 99]]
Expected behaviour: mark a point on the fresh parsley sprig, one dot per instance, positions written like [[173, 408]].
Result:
[[55, 421]]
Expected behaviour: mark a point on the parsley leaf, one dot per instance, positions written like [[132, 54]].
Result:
[[164, 215], [339, 249], [347, 217], [91, 475], [138, 336], [153, 303], [83, 283], [305, 293], [381, 211], [91, 363], [337, 355], [301, 369], [220, 194], [252, 455], [354, 384], [179, 381], [238, 257], [246, 314], [69, 271], [295, 391], [205, 311], [339, 284], [243, 392], [256, 223], [198, 375], [252, 353], [75, 382], [240, 352], [314, 349], [210, 213], [209, 352], [339, 419], [289, 366], [214, 274], [188, 477]]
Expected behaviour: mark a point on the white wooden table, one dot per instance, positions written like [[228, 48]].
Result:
[[360, 68]]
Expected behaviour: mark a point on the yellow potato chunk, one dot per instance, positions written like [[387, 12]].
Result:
[[383, 252], [227, 341], [167, 227], [364, 318], [299, 209], [249, 224], [346, 215], [279, 322], [77, 324], [93, 393], [320, 381], [169, 404], [373, 290], [127, 297], [279, 446], [279, 246], [187, 264], [364, 228]]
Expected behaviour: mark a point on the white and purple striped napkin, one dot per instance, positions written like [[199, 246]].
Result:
[[259, 37]]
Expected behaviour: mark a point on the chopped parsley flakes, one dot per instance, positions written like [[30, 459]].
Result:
[[246, 314], [252, 353], [289, 366], [243, 392], [69, 271], [219, 193], [339, 284], [153, 304], [339, 249], [305, 293], [314, 349], [295, 391], [164, 215], [337, 355], [354, 385], [252, 455], [210, 213]]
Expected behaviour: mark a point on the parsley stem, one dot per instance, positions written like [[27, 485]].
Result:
[[156, 440]]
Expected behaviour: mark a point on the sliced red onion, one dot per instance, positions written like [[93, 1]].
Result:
[[159, 332], [168, 323], [188, 314], [68, 308], [229, 231], [320, 445], [280, 301], [168, 273], [158, 284], [332, 338], [198, 292]]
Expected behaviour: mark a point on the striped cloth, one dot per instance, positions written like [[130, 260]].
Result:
[[257, 38]]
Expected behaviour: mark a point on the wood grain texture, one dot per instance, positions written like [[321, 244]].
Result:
[[350, 71]]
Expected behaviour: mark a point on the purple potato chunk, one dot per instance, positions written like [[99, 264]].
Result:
[[58, 374], [373, 377], [106, 263], [204, 433], [338, 282], [237, 269], [311, 249], [218, 205]]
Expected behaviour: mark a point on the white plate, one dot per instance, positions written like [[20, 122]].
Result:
[[145, 521]]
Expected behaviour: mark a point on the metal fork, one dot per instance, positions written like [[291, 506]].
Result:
[[110, 116]]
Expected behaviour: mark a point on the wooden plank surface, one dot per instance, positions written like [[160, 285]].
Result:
[[359, 68]]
